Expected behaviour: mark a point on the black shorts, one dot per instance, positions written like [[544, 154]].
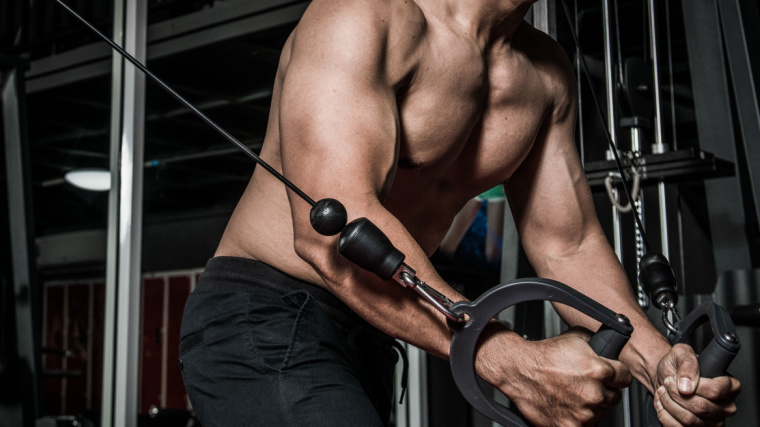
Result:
[[261, 348]]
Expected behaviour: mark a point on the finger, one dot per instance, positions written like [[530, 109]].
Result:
[[579, 332], [612, 397], [687, 373], [620, 376], [670, 412], [719, 388], [694, 409], [663, 415]]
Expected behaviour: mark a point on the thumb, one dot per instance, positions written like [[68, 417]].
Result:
[[687, 368], [580, 332]]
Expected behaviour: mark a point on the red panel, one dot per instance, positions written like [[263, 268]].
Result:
[[152, 323], [53, 339], [179, 289], [98, 319], [78, 343]]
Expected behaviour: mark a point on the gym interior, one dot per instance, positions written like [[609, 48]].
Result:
[[93, 281]]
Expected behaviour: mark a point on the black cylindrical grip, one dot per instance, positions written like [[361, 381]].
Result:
[[362, 243], [657, 278], [608, 343], [714, 359]]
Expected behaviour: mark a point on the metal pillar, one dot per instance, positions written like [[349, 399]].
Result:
[[659, 146], [545, 17], [712, 107], [612, 119], [121, 343], [22, 242], [414, 412], [739, 57]]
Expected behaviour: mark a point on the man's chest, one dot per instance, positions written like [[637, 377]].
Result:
[[471, 130]]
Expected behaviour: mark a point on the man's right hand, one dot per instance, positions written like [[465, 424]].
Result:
[[558, 381]]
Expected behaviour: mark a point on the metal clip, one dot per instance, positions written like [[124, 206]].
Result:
[[406, 276], [670, 317]]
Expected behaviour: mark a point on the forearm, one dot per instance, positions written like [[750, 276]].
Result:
[[386, 304], [401, 313], [594, 270]]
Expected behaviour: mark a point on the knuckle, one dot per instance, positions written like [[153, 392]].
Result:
[[690, 419], [601, 370], [731, 410], [617, 396], [594, 397], [701, 409], [586, 416], [736, 386], [684, 352]]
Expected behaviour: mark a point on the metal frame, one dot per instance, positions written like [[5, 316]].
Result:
[[739, 57], [712, 107], [225, 21], [24, 278], [121, 353], [660, 146], [414, 411]]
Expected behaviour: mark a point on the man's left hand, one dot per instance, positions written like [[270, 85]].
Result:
[[683, 398]]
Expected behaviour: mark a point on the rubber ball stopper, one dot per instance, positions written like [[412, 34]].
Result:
[[328, 217]]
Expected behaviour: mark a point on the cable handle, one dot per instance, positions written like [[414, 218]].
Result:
[[659, 281], [724, 345], [607, 342], [715, 358]]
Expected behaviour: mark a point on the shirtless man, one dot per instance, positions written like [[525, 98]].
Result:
[[404, 110]]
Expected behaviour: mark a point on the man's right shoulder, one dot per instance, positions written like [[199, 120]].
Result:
[[380, 12], [388, 29]]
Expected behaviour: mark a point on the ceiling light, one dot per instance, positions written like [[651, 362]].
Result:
[[89, 179]]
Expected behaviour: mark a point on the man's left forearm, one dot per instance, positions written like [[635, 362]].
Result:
[[594, 270]]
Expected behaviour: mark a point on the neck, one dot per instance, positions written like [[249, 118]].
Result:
[[486, 21]]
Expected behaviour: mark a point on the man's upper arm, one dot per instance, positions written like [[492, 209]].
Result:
[[552, 203], [337, 111]]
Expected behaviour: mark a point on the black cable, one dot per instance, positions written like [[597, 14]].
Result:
[[670, 75], [618, 43], [197, 112], [611, 143]]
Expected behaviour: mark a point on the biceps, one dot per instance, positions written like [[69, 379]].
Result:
[[338, 135]]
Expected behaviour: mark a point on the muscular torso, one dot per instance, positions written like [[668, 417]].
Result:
[[467, 117]]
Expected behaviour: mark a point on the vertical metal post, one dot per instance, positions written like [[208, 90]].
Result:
[[712, 107], [121, 348], [612, 124], [414, 413], [112, 245], [22, 243], [740, 57], [545, 17], [659, 146], [612, 121]]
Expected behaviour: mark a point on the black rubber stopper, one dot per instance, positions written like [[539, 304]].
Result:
[[657, 278], [328, 217], [362, 243]]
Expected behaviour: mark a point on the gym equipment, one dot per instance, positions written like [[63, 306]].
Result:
[[656, 276]]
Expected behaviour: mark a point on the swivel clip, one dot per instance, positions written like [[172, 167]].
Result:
[[407, 277]]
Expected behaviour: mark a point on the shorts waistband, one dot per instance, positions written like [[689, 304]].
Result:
[[226, 272]]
